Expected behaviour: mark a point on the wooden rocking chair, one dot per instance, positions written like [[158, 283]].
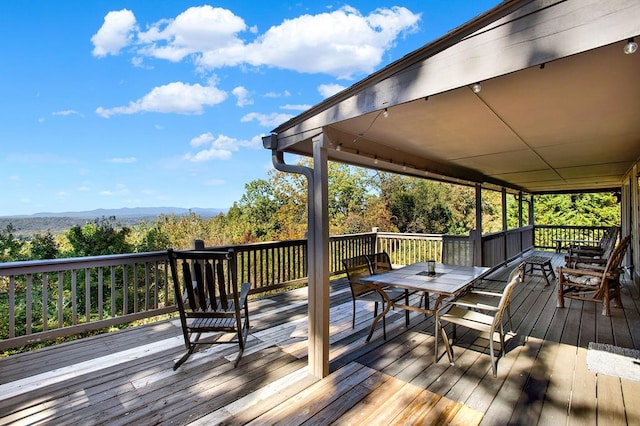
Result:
[[209, 298], [592, 282]]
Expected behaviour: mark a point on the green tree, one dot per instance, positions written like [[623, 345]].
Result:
[[588, 209], [10, 247], [44, 246], [100, 237]]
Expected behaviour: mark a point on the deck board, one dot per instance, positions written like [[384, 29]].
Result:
[[126, 377]]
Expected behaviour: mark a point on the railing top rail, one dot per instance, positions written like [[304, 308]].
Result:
[[258, 246], [70, 263], [410, 236], [573, 226]]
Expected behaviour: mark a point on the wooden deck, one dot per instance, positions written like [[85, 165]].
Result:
[[127, 378]]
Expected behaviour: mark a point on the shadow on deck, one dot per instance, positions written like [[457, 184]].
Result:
[[126, 377]]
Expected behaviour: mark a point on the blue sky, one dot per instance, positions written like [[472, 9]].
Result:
[[110, 104]]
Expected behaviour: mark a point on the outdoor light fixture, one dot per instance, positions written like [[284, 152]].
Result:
[[385, 113], [375, 159], [631, 46], [339, 147], [476, 88]]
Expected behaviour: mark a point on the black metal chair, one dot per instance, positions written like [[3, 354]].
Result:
[[209, 298], [360, 266]]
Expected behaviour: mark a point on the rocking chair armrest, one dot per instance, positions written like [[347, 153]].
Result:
[[572, 271], [585, 259], [598, 268]]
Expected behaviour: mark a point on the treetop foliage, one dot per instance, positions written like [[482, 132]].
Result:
[[276, 209]]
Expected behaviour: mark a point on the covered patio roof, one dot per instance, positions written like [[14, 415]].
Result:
[[557, 110]]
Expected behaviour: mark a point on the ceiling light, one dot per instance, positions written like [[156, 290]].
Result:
[[375, 160], [630, 47], [339, 147], [385, 113], [476, 88]]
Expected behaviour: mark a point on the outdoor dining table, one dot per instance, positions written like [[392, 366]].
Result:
[[447, 281]]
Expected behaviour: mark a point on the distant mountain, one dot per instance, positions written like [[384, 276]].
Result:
[[27, 225], [129, 212]]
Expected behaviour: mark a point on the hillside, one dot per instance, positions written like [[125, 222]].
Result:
[[27, 225]]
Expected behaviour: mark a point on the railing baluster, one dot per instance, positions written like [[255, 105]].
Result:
[[125, 289], [100, 292], [74, 299], [12, 306], [136, 299], [112, 278], [87, 295], [60, 299], [45, 302], [29, 290]]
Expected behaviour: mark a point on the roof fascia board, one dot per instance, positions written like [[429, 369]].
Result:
[[551, 30]]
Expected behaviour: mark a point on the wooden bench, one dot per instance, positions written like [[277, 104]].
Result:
[[541, 263]]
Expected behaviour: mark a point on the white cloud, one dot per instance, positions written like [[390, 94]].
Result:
[[66, 112], [215, 182], [266, 120], [176, 97], [341, 42], [203, 139], [285, 94], [218, 148], [196, 30], [242, 95], [115, 34], [327, 90], [122, 160], [291, 107]]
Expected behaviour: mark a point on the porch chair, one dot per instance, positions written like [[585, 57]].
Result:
[[358, 267], [599, 254], [380, 263], [592, 282], [209, 298], [464, 315], [484, 301]]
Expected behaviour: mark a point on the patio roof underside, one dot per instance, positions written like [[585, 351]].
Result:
[[557, 112]]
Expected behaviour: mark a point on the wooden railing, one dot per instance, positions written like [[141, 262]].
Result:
[[547, 236], [46, 299], [498, 248]]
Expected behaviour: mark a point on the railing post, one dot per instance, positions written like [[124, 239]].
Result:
[[374, 249], [476, 246]]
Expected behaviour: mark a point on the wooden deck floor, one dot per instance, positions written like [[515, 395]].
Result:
[[127, 378]]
